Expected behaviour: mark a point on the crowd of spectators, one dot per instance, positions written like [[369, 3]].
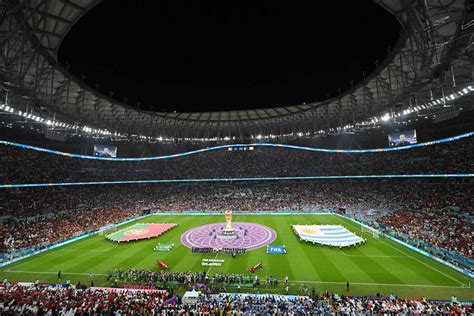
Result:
[[34, 300], [41, 216], [357, 196], [18, 165], [28, 300], [437, 212], [45, 230], [446, 228]]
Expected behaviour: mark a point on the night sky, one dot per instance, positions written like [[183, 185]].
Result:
[[173, 55]]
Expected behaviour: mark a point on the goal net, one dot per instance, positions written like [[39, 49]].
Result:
[[372, 231]]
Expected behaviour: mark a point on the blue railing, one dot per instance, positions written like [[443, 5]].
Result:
[[315, 149], [377, 176]]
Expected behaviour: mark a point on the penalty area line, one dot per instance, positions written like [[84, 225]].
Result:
[[410, 256], [372, 256], [427, 265]]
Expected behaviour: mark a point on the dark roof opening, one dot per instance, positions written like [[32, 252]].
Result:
[[201, 55]]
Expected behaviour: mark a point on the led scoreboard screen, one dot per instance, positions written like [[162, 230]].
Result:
[[105, 151], [403, 138]]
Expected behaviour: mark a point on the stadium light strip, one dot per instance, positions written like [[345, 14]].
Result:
[[315, 149], [378, 176], [374, 120]]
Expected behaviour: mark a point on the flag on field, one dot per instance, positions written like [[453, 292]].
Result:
[[140, 231], [331, 235]]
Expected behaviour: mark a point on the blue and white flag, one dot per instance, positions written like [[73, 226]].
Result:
[[331, 235]]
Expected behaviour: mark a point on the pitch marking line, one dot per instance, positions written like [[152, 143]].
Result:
[[362, 256], [416, 259], [427, 265], [282, 280], [217, 254], [45, 254], [33, 259], [374, 256], [85, 250], [47, 272], [384, 284]]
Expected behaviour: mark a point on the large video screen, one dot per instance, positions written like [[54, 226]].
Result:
[[105, 151], [402, 138]]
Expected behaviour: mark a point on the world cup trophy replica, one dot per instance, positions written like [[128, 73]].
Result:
[[228, 230]]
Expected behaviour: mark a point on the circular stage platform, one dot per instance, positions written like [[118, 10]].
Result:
[[246, 235]]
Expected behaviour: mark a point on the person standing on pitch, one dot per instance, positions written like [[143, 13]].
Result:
[[347, 286], [59, 275]]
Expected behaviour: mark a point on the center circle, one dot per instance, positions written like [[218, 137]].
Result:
[[245, 235]]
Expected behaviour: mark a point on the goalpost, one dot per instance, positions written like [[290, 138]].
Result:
[[372, 231]]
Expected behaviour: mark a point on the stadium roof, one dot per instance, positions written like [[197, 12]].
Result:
[[430, 59], [52, 20]]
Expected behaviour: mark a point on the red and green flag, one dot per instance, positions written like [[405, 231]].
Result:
[[140, 231]]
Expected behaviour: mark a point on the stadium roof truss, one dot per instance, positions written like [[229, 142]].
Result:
[[432, 57]]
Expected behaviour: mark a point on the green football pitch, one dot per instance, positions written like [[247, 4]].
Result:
[[379, 266]]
